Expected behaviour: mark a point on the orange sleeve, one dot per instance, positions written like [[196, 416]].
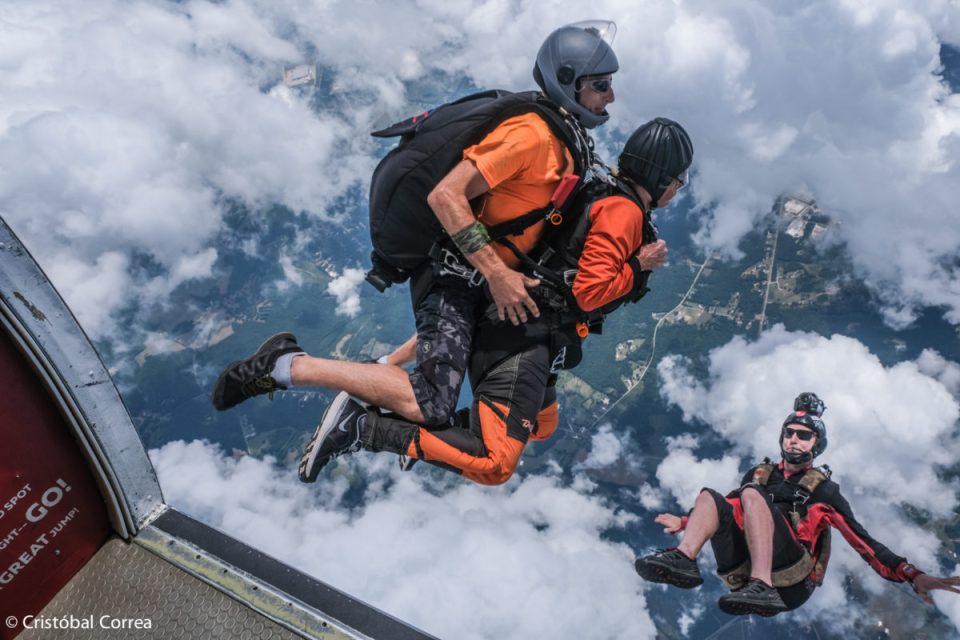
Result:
[[615, 235]]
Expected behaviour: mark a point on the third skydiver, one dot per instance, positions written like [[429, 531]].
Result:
[[771, 537]]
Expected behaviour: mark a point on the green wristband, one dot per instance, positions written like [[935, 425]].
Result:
[[471, 238]]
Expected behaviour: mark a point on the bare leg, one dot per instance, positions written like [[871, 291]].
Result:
[[384, 385], [701, 525], [405, 353], [758, 529]]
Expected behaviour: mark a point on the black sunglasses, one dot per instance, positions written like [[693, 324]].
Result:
[[803, 434], [600, 86]]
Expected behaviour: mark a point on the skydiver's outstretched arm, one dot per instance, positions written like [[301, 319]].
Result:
[[923, 584], [670, 522]]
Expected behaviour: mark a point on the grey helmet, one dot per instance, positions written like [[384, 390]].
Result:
[[655, 154], [570, 53]]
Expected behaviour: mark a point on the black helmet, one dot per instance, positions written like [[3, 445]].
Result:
[[807, 409], [568, 54], [655, 154]]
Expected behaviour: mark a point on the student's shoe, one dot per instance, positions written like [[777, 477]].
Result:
[[670, 566], [406, 462], [339, 433], [756, 597], [251, 377]]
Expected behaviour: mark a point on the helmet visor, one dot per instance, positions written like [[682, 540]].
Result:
[[602, 60], [606, 30]]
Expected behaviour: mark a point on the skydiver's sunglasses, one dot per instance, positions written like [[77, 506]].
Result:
[[600, 85], [803, 434]]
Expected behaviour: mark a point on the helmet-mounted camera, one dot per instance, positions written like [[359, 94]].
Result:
[[809, 402]]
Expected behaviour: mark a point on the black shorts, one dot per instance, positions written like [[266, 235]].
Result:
[[730, 545]]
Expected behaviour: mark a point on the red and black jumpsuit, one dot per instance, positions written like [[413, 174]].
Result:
[[825, 508], [511, 367]]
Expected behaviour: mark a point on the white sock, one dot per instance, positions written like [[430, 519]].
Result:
[[282, 369]]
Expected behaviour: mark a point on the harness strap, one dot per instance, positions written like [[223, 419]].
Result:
[[786, 577], [556, 280], [808, 565], [516, 226], [416, 444]]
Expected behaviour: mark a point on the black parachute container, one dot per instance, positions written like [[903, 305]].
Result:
[[403, 228]]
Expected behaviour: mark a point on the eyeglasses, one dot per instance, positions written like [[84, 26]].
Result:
[[803, 434], [600, 85], [683, 178]]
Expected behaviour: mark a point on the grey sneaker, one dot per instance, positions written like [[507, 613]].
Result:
[[339, 433], [756, 597], [669, 566], [251, 377]]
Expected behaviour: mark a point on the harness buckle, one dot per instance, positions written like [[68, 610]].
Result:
[[450, 265], [800, 496], [569, 276], [557, 365], [475, 279]]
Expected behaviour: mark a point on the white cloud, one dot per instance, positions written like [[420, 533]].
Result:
[[292, 275], [889, 429], [605, 449], [683, 475], [346, 289], [936, 366], [650, 497], [124, 124], [689, 618], [833, 100], [127, 126], [525, 560]]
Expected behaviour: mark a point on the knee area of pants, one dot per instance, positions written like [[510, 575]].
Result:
[[437, 418], [708, 495], [500, 478]]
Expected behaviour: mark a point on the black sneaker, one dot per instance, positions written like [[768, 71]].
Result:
[[251, 377], [670, 566], [756, 597], [339, 432]]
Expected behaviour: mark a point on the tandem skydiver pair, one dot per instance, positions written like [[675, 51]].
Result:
[[530, 242]]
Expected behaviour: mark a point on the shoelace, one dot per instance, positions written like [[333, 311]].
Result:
[[258, 386], [754, 587]]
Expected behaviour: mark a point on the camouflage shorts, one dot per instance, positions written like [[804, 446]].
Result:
[[445, 324]]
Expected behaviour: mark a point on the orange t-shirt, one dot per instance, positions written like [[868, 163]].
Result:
[[616, 232], [522, 162]]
